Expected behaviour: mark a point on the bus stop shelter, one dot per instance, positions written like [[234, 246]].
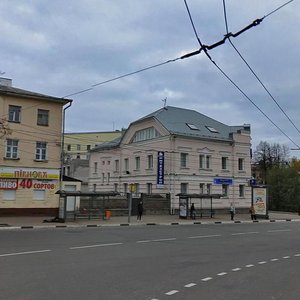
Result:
[[185, 201], [93, 197]]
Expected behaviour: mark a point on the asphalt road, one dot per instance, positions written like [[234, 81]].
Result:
[[217, 261]]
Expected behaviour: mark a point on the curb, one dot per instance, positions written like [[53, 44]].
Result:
[[12, 227]]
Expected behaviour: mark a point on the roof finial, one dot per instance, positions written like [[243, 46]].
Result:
[[164, 101]]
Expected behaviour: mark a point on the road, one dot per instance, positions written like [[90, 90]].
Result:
[[216, 261]]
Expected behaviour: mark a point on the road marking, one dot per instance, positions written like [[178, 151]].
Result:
[[244, 233], [172, 292], [94, 246], [206, 279], [222, 274], [163, 240], [249, 266], [203, 236], [279, 230], [23, 253], [285, 257], [190, 285], [262, 262], [236, 269], [274, 259], [298, 254], [146, 241]]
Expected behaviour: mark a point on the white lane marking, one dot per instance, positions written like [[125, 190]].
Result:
[[298, 254], [262, 262], [222, 274], [279, 230], [94, 246], [244, 233], [190, 285], [203, 236], [23, 253], [236, 269], [274, 259], [163, 240], [146, 241], [206, 279], [249, 266], [285, 257], [170, 293]]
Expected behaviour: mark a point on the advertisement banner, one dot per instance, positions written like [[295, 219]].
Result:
[[160, 169], [8, 184], [260, 200], [32, 173]]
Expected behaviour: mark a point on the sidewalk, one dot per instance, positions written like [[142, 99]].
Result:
[[37, 222]]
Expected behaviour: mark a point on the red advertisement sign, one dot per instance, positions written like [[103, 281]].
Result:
[[8, 184]]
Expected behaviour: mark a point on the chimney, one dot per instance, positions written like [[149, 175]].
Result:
[[5, 81]]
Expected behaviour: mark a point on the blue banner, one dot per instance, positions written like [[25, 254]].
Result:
[[160, 169]]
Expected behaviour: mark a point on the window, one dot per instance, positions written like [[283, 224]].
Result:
[[208, 188], [208, 161], [241, 190], [39, 195], [201, 188], [224, 163], [241, 164], [69, 147], [78, 156], [184, 188], [150, 161], [212, 129], [137, 188], [125, 187], [115, 187], [88, 147], [204, 161], [12, 149], [103, 177], [95, 167], [137, 163], [117, 165], [183, 160], [9, 195], [78, 147], [192, 126], [108, 177], [94, 187], [225, 190], [149, 188], [14, 113], [43, 117], [41, 151], [145, 134], [126, 164]]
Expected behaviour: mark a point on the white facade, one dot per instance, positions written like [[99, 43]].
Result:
[[192, 164]]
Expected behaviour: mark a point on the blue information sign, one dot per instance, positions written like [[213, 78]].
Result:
[[228, 181], [160, 168]]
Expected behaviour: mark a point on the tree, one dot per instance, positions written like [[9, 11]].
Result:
[[268, 156]]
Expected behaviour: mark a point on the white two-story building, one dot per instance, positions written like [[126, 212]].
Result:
[[176, 150]]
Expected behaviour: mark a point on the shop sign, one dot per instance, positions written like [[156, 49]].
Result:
[[32, 173], [8, 184]]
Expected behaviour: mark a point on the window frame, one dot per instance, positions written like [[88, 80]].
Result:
[[41, 152], [12, 150], [43, 117], [183, 160], [15, 112]]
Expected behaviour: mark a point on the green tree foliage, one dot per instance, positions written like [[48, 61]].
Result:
[[284, 188]]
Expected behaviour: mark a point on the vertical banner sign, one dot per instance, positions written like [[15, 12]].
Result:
[[260, 200], [160, 169]]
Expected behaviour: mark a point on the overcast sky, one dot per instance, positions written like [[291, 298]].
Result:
[[62, 47]]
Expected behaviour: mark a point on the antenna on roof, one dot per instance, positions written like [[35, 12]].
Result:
[[164, 101]]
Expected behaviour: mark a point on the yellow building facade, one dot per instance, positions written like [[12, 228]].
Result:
[[30, 150]]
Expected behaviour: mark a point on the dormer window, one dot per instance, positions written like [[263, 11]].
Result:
[[145, 134], [211, 129], [192, 126]]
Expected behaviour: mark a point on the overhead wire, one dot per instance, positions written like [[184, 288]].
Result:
[[227, 36], [251, 69]]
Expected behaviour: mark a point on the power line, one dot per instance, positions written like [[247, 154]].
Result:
[[251, 69], [227, 36]]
